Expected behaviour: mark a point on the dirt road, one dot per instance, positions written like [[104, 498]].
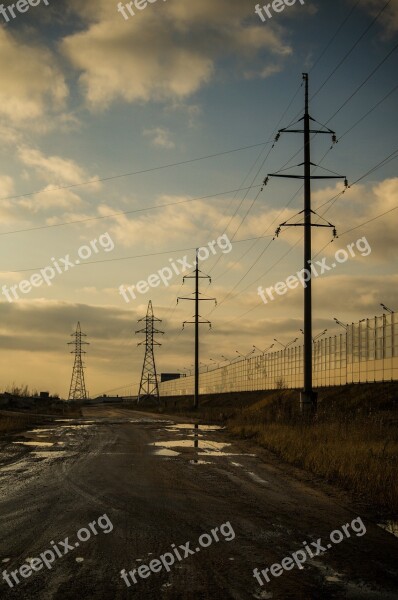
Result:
[[161, 483]]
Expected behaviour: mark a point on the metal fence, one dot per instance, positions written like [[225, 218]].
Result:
[[366, 352]]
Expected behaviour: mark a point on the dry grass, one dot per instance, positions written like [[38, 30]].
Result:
[[353, 442], [19, 422], [13, 422]]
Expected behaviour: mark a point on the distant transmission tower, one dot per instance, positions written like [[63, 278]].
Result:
[[77, 389], [149, 386]]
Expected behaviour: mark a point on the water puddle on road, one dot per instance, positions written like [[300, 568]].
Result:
[[390, 526], [36, 443], [51, 454], [194, 437], [204, 444], [166, 452], [193, 426]]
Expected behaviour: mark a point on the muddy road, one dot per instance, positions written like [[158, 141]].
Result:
[[119, 490]]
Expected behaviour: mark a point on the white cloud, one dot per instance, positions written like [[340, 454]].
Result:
[[64, 171], [31, 82], [160, 54], [159, 137]]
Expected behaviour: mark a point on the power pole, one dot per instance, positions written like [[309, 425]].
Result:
[[77, 390], [195, 275], [149, 385], [308, 398]]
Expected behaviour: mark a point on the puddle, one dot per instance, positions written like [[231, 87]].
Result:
[[235, 464], [333, 579], [76, 426], [188, 444], [79, 559], [193, 426], [37, 443], [53, 454], [390, 526], [40, 430], [256, 478], [263, 595], [200, 462], [6, 560], [219, 453], [166, 452]]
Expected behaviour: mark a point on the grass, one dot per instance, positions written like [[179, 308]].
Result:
[[352, 442], [13, 422]]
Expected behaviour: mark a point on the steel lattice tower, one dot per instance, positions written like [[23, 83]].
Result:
[[149, 386], [77, 389]]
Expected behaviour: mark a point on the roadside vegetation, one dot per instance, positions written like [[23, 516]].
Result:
[[352, 442]]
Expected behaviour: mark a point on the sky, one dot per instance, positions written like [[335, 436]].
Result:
[[128, 143]]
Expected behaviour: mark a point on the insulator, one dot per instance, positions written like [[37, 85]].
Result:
[[334, 138], [278, 135], [346, 182]]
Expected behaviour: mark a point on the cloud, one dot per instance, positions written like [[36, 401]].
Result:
[[159, 137], [7, 208], [364, 203], [31, 81], [198, 222], [160, 54], [43, 201], [389, 18], [64, 171]]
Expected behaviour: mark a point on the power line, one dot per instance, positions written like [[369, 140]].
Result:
[[378, 166], [259, 170], [334, 198], [149, 170], [126, 212], [106, 260], [365, 81], [376, 18], [340, 27]]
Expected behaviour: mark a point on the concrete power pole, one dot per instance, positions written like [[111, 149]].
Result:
[[195, 275], [308, 397]]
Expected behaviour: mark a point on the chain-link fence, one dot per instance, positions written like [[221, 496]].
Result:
[[366, 352]]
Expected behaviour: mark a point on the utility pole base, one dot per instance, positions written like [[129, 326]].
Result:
[[308, 402]]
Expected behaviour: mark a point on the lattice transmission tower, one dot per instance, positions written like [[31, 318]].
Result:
[[77, 390], [149, 386]]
